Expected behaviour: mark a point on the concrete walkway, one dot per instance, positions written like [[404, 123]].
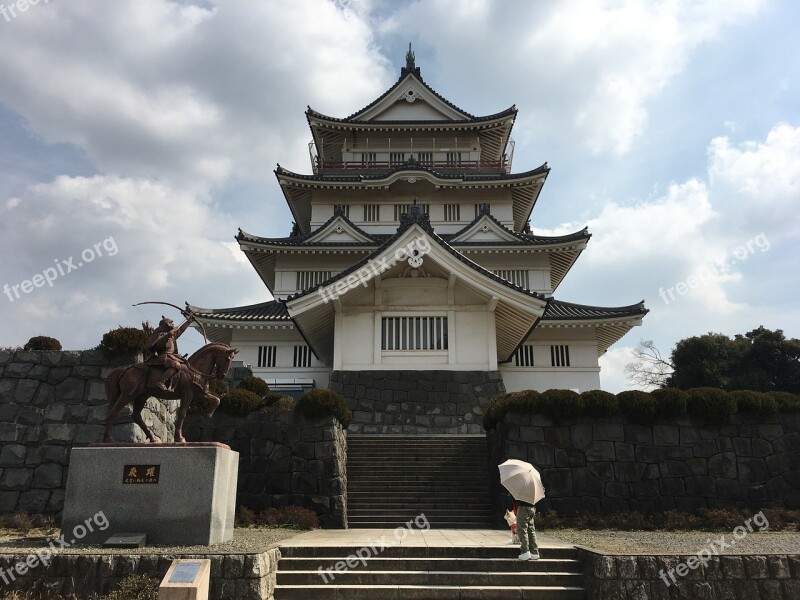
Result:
[[402, 536]]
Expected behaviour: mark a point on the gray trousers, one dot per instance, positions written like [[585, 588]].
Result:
[[526, 530]]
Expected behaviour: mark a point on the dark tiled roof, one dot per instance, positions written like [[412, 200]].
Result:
[[509, 112], [302, 239], [423, 221], [525, 238], [465, 176], [567, 311], [265, 311]]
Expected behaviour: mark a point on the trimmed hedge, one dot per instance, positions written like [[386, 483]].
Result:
[[710, 405], [254, 384], [320, 403], [123, 341], [240, 402], [44, 343]]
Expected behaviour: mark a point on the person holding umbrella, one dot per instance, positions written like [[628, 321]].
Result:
[[524, 483]]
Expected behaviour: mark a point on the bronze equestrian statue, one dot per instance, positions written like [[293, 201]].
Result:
[[167, 375]]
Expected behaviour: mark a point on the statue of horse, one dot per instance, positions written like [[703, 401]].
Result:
[[137, 383]]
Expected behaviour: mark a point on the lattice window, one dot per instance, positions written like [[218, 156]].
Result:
[[425, 158], [307, 279], [414, 333], [302, 356], [266, 356], [368, 159], [452, 212], [399, 209], [523, 357], [372, 212], [397, 158], [559, 356], [516, 276], [453, 158]]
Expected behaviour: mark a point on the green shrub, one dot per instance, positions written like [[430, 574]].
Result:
[[123, 341], [273, 397], [254, 384], [670, 402], [639, 406], [562, 404], [42, 342], [217, 387], [319, 403], [600, 403], [754, 402], [785, 400], [136, 587], [527, 402], [712, 405], [239, 402], [283, 404]]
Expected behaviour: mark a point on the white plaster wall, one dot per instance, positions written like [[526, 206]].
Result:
[[540, 379]]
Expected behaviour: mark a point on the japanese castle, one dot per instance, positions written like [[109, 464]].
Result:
[[411, 281]]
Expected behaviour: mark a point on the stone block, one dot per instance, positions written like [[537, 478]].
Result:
[[761, 448], [601, 451], [164, 510], [604, 471], [752, 470], [70, 390], [17, 369], [624, 452], [628, 471], [649, 454], [62, 433], [638, 434], [33, 501], [613, 432], [16, 479], [26, 391], [755, 567], [9, 432], [582, 435], [723, 465], [704, 486], [55, 413], [13, 455], [688, 436], [29, 415]]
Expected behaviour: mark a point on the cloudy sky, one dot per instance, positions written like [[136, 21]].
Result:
[[136, 136]]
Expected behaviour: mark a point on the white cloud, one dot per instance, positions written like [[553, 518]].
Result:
[[612, 368]]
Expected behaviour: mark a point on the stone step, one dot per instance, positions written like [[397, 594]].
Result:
[[356, 576], [403, 592], [473, 492], [472, 565], [356, 506], [402, 551], [380, 512]]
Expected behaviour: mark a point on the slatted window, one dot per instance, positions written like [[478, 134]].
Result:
[[307, 279], [343, 208], [452, 212], [515, 276], [266, 356], [453, 158], [397, 158], [523, 357], [478, 209], [372, 212], [425, 158], [399, 209], [559, 356], [368, 159], [414, 333], [302, 356]]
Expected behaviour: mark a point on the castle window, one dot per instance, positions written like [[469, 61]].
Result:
[[266, 356], [515, 276], [400, 209], [453, 158], [425, 158], [397, 158], [302, 356], [414, 333], [307, 279], [342, 208], [559, 356], [523, 357], [452, 212], [372, 212], [368, 159]]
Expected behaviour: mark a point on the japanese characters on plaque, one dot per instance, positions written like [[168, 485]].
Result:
[[141, 473]]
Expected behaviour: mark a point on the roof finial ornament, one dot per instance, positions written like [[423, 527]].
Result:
[[411, 66]]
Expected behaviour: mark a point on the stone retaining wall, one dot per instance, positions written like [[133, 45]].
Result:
[[284, 459], [50, 401], [233, 576], [417, 401], [768, 577], [613, 465]]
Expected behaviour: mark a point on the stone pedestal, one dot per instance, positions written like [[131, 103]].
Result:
[[178, 494]]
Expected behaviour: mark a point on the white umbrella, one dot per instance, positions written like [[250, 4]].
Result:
[[522, 480]]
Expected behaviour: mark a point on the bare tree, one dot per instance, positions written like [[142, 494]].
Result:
[[648, 368]]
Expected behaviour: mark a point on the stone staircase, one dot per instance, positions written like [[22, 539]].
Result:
[[392, 479], [427, 572]]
